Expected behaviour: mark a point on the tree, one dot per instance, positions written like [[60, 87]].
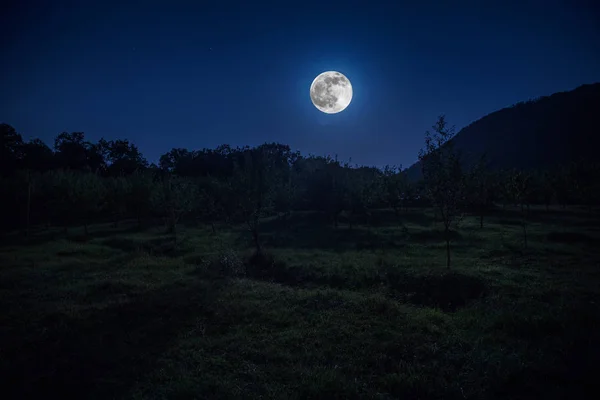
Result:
[[141, 189], [361, 189], [16, 195], [519, 185], [253, 182], [118, 191], [37, 156], [503, 186], [71, 151], [286, 190], [88, 194], [324, 175], [211, 204], [69, 197], [545, 187], [479, 188], [10, 149], [211, 209], [443, 176], [394, 188], [96, 155], [173, 197], [177, 161], [59, 188], [123, 158], [284, 195]]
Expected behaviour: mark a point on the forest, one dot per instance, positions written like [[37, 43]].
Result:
[[261, 272]]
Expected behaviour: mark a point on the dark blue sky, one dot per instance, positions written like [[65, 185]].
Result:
[[143, 70]]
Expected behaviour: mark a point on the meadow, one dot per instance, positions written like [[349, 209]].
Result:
[[364, 312]]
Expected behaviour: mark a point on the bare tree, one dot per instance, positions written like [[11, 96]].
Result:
[[443, 176]]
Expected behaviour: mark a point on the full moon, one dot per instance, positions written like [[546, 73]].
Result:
[[331, 92]]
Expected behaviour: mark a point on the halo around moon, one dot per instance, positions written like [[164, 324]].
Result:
[[331, 92]]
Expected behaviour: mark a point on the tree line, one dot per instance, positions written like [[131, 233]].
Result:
[[78, 183]]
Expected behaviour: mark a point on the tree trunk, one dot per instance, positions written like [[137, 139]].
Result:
[[481, 219], [85, 229], [524, 222], [139, 221], [257, 243], [256, 239], [447, 249], [212, 225]]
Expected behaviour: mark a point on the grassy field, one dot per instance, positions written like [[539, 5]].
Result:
[[370, 312]]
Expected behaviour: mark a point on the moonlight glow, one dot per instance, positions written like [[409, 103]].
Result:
[[331, 92]]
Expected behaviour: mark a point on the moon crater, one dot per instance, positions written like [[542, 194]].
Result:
[[331, 92]]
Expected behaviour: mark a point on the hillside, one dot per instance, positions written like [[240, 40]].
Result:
[[544, 132]]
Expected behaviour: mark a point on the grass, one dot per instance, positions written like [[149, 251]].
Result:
[[370, 312]]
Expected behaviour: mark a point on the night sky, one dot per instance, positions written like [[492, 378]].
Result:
[[188, 74]]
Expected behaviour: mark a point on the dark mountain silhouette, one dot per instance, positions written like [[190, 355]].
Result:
[[541, 133]]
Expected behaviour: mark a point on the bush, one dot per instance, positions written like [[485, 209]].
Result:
[[261, 264]]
